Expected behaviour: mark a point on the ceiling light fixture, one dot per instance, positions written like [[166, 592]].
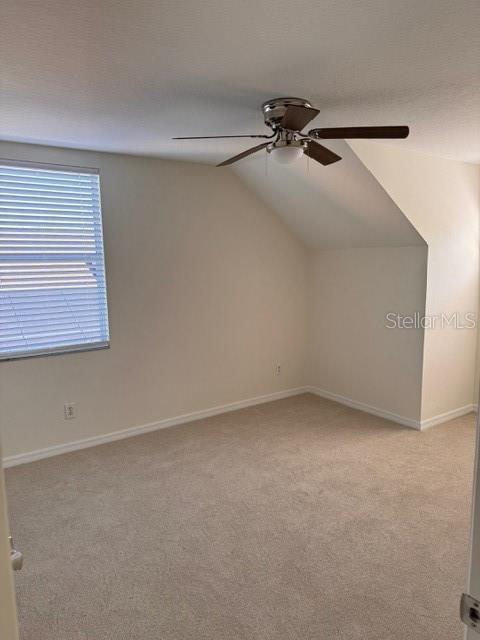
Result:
[[286, 151]]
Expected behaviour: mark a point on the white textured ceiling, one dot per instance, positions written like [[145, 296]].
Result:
[[341, 205], [126, 75]]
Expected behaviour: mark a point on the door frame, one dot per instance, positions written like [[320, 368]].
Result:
[[8, 609], [473, 580]]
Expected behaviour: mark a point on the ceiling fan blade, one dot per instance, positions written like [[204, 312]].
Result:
[[254, 135], [320, 153], [359, 132], [296, 117], [244, 154]]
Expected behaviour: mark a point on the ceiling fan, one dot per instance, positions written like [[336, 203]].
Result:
[[287, 117]]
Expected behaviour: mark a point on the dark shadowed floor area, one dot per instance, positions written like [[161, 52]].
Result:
[[300, 519]]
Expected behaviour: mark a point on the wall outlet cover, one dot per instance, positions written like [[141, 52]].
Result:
[[69, 411]]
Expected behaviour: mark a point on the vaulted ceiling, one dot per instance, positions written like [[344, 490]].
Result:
[[125, 75], [341, 205]]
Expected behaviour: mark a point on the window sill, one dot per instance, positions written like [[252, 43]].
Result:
[[55, 352]]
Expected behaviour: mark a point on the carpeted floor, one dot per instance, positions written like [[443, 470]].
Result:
[[295, 520]]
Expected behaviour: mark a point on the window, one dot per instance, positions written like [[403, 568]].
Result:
[[52, 275]]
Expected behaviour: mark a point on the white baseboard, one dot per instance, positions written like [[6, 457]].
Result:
[[367, 408], [419, 425], [55, 450], [448, 415]]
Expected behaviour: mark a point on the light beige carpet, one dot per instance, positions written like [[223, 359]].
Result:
[[295, 520]]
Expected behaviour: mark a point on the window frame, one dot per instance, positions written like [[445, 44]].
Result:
[[73, 348]]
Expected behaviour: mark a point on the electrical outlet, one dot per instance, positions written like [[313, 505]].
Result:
[[69, 411], [278, 369]]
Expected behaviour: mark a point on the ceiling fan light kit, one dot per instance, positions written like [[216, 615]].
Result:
[[286, 148], [286, 152], [287, 117]]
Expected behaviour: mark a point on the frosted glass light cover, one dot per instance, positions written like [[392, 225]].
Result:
[[287, 154]]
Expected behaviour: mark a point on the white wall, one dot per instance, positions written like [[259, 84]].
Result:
[[207, 291], [354, 355], [441, 199]]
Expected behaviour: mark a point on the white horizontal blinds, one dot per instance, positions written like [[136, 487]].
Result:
[[52, 275]]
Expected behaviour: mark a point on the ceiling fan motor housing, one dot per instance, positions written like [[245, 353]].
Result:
[[274, 110], [285, 141]]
